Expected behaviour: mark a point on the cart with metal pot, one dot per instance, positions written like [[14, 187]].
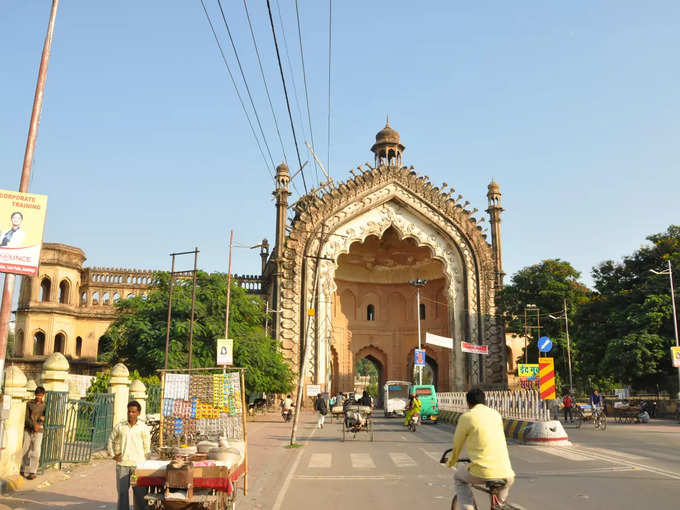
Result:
[[203, 442]]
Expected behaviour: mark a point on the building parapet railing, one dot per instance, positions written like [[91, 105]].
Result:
[[516, 405], [252, 284], [118, 276]]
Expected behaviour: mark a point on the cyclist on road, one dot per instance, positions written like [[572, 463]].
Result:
[[480, 430], [596, 400]]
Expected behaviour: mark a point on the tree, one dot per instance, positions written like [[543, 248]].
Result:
[[545, 285], [137, 337], [626, 329]]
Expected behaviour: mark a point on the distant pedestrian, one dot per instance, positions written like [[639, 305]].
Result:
[[33, 434], [568, 404], [322, 410], [129, 445]]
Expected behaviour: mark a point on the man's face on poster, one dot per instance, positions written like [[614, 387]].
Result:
[[16, 219]]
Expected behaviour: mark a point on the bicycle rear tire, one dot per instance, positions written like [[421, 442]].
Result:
[[454, 504], [603, 423]]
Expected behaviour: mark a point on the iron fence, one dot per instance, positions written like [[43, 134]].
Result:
[[78, 431], [103, 420], [53, 429], [153, 399]]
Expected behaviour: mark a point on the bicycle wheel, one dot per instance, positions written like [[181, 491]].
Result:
[[603, 423], [454, 504], [596, 422]]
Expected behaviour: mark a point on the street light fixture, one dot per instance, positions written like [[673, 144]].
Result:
[[669, 272], [418, 284]]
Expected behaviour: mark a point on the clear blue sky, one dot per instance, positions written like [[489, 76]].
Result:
[[143, 148]]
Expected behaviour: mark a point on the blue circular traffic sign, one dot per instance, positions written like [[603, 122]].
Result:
[[544, 344]]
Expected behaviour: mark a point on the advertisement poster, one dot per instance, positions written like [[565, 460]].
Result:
[[225, 351], [675, 356], [474, 348], [22, 221], [419, 357]]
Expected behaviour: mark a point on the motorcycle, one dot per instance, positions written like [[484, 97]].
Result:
[[413, 422], [286, 414]]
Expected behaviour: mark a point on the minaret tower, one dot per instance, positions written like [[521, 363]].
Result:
[[387, 147], [281, 193], [495, 210]]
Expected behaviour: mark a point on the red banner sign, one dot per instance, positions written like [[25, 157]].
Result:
[[474, 348]]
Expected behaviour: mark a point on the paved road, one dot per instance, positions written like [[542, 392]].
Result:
[[627, 466]]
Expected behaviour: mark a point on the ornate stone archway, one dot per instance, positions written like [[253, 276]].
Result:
[[326, 224]]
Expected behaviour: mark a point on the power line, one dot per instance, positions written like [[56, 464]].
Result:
[[330, 32], [266, 88], [233, 81], [304, 77], [290, 65], [285, 92], [250, 96]]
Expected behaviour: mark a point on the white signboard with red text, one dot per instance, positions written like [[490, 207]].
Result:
[[22, 221], [474, 348]]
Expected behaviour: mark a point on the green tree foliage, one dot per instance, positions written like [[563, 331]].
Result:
[[625, 331], [545, 285], [137, 337], [366, 367]]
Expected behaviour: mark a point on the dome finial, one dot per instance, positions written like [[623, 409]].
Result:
[[387, 121]]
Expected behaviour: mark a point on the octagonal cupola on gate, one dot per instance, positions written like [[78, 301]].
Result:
[[387, 148]]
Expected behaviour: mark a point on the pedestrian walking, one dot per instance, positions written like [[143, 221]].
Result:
[[129, 445], [568, 404], [322, 410], [33, 434]]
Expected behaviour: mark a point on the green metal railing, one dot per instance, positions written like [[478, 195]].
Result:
[[53, 430], [78, 431], [153, 399], [103, 420]]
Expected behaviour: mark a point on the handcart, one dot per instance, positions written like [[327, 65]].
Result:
[[625, 413], [337, 413], [198, 406], [357, 419]]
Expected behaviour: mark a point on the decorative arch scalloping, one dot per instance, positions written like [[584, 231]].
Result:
[[363, 194]]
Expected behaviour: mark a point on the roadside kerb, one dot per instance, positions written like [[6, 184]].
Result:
[[547, 433]]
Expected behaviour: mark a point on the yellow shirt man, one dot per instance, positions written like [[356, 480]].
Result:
[[131, 442], [480, 430]]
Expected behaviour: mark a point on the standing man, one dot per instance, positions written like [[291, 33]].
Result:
[[480, 430], [33, 434], [567, 408], [129, 445]]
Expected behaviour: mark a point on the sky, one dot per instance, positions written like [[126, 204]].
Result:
[[144, 149]]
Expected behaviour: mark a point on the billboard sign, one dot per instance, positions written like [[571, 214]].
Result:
[[474, 348], [440, 341], [675, 356], [225, 351], [22, 221], [528, 370], [419, 357]]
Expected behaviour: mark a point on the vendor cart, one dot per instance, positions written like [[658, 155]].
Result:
[[197, 406], [625, 413], [357, 419]]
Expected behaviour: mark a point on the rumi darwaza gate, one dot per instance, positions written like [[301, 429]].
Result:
[[338, 276]]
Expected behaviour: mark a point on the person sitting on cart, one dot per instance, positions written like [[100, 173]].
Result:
[[413, 408], [349, 401], [365, 399]]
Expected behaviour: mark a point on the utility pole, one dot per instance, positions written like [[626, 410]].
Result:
[[418, 284], [669, 272], [566, 328], [226, 311], [8, 289]]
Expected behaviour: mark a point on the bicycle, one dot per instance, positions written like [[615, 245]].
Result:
[[599, 420], [491, 487]]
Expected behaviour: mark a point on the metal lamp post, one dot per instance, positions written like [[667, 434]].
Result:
[[669, 272], [418, 283]]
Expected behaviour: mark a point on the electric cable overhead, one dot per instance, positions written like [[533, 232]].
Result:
[[250, 96], [304, 77], [285, 93], [290, 66], [264, 80], [330, 32], [233, 81]]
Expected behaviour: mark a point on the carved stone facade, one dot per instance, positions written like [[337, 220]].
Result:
[[306, 279]]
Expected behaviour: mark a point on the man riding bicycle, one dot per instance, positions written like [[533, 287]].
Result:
[[480, 430]]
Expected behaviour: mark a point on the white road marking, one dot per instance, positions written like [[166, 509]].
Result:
[[565, 453], [621, 461], [289, 477], [320, 460], [349, 478], [402, 460], [615, 453], [362, 461]]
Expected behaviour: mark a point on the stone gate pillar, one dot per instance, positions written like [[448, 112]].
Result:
[[138, 393], [10, 456], [119, 385], [54, 372]]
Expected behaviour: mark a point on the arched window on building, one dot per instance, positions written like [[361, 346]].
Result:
[[116, 297], [83, 298], [370, 313], [59, 343], [422, 312], [39, 343], [101, 348], [95, 298], [45, 286], [64, 288], [79, 347], [106, 298], [19, 343], [130, 295]]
